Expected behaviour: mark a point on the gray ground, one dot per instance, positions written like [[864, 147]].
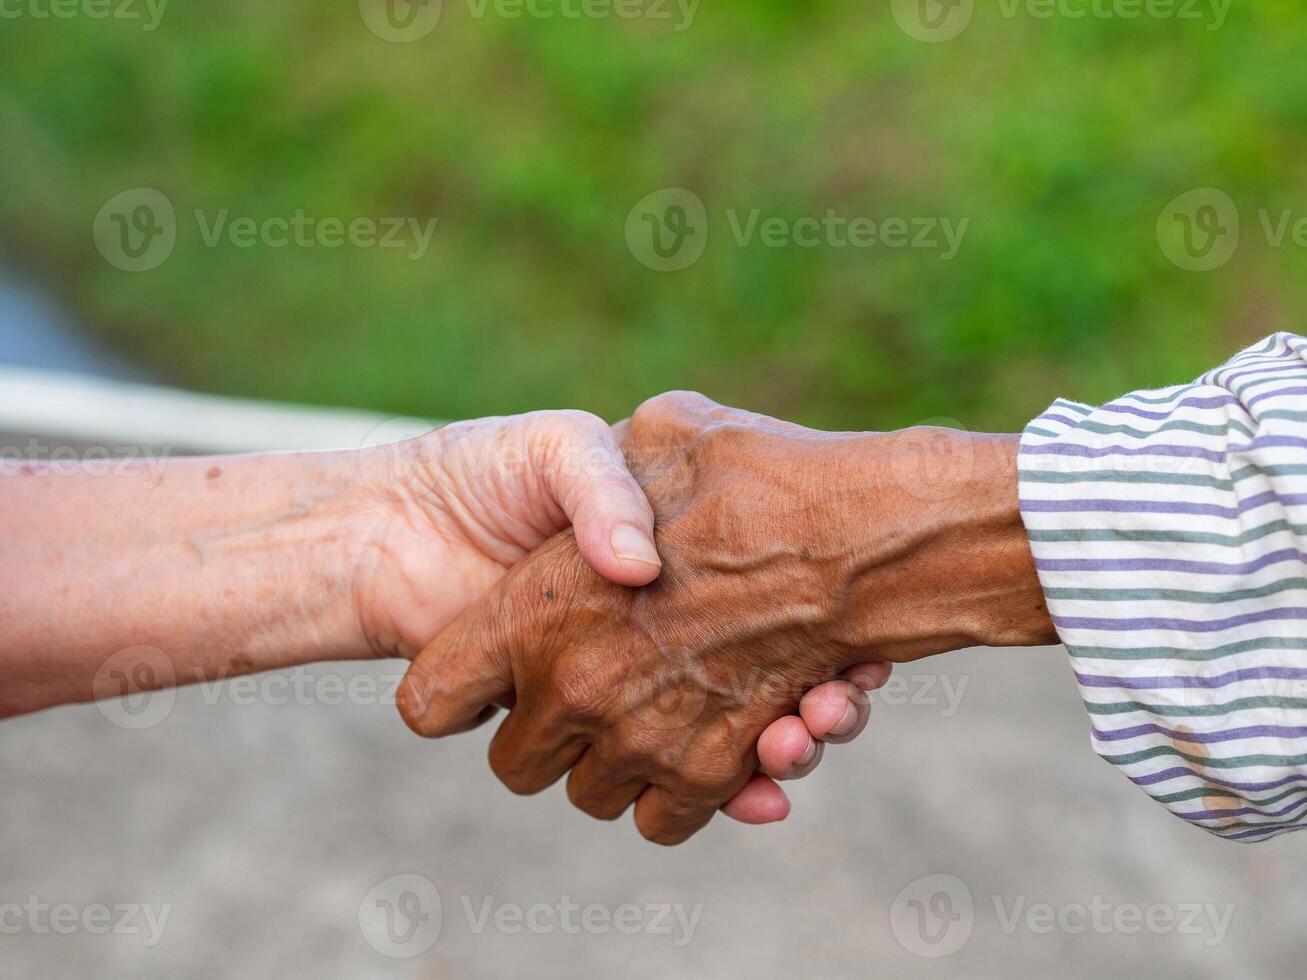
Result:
[[268, 823]]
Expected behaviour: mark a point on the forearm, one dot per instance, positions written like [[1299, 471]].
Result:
[[225, 565], [935, 555]]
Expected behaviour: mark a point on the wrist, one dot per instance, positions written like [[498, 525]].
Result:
[[305, 555], [413, 568], [994, 584], [939, 558]]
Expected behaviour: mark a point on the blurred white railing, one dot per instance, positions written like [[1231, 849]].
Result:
[[98, 411]]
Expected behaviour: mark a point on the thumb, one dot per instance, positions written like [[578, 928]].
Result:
[[453, 684], [610, 514]]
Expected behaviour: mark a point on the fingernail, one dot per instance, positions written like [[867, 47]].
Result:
[[809, 754], [633, 544], [846, 723]]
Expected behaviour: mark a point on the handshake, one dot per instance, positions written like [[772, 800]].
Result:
[[678, 611], [792, 568]]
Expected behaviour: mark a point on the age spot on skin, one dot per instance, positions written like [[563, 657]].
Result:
[[549, 593], [214, 473]]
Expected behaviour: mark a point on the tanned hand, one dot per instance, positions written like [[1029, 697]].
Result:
[[789, 555]]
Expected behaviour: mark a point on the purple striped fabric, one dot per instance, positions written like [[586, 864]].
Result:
[[1215, 639], [1161, 506], [1165, 564]]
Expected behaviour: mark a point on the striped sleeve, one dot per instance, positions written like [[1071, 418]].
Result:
[[1168, 528]]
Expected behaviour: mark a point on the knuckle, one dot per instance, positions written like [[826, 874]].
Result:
[[608, 812], [677, 822], [712, 767], [664, 837], [572, 425], [666, 754], [657, 831], [587, 799], [581, 419], [671, 408], [413, 699], [577, 698], [728, 437], [702, 783], [580, 689], [509, 771]]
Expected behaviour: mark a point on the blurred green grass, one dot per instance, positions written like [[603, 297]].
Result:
[[1060, 142]]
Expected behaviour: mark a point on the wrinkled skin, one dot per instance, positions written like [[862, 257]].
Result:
[[788, 554], [459, 506]]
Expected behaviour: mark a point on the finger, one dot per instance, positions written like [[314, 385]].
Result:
[[528, 756], [484, 716], [870, 675], [787, 750], [835, 711], [761, 801], [596, 791], [460, 674], [609, 512], [666, 819]]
